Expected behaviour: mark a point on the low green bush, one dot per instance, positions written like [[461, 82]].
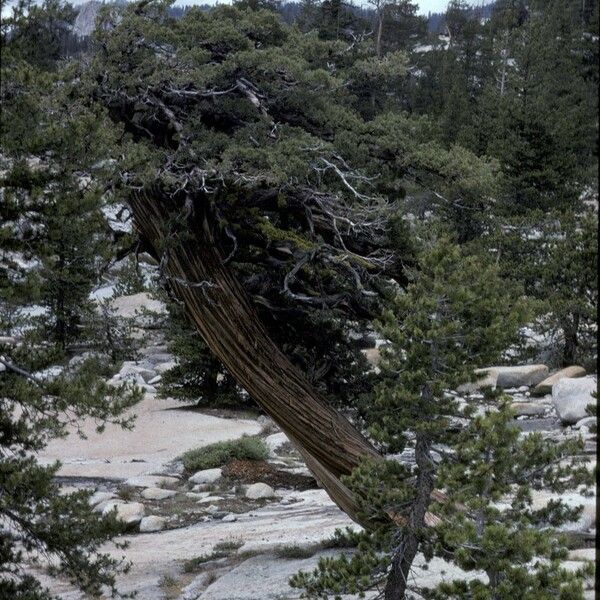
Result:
[[216, 455]]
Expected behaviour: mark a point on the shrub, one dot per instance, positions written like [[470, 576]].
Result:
[[292, 551], [215, 455]]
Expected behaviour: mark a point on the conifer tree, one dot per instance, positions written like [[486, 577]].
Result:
[[455, 315], [54, 241]]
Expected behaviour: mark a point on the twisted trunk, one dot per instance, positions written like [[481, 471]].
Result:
[[222, 313]]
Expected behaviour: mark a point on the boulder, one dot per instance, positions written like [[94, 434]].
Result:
[[571, 397], [152, 523], [528, 409], [514, 377], [107, 505], [206, 476], [85, 22], [161, 368], [229, 518], [259, 490], [99, 497], [276, 440], [129, 513], [146, 481], [130, 370], [545, 387], [487, 378], [157, 494], [373, 356], [131, 306], [585, 422]]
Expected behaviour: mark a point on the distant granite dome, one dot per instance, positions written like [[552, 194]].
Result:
[[85, 22]]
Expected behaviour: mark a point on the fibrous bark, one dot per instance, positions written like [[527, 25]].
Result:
[[219, 307]]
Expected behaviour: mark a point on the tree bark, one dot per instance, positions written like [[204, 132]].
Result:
[[405, 552], [379, 32], [221, 311]]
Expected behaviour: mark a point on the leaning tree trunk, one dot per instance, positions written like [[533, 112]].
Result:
[[222, 312]]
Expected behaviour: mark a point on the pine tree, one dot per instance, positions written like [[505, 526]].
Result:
[[53, 245], [498, 531], [455, 315]]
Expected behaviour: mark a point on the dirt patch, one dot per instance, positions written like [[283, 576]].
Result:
[[253, 471]]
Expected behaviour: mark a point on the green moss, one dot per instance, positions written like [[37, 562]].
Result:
[[281, 235]]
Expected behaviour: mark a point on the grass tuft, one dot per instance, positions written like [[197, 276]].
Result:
[[216, 455]]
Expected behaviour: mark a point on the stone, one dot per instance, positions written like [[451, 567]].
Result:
[[150, 481], [155, 379], [195, 495], [165, 366], [130, 370], [132, 307], [202, 488], [107, 504], [571, 396], [529, 409], [230, 518], [266, 577], [157, 494], [152, 523], [373, 356], [210, 498], [206, 476], [129, 513], [526, 375], [157, 355], [99, 497], [276, 440], [585, 422], [583, 554], [85, 22], [259, 490], [545, 387], [487, 378], [260, 577]]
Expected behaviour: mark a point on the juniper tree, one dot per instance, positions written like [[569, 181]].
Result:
[[252, 179]]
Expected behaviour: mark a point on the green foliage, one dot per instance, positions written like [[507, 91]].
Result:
[[44, 521], [456, 314], [497, 530], [55, 242], [129, 279], [555, 256], [216, 455]]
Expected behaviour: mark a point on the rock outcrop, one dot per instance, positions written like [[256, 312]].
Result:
[[572, 396], [545, 387], [85, 22]]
